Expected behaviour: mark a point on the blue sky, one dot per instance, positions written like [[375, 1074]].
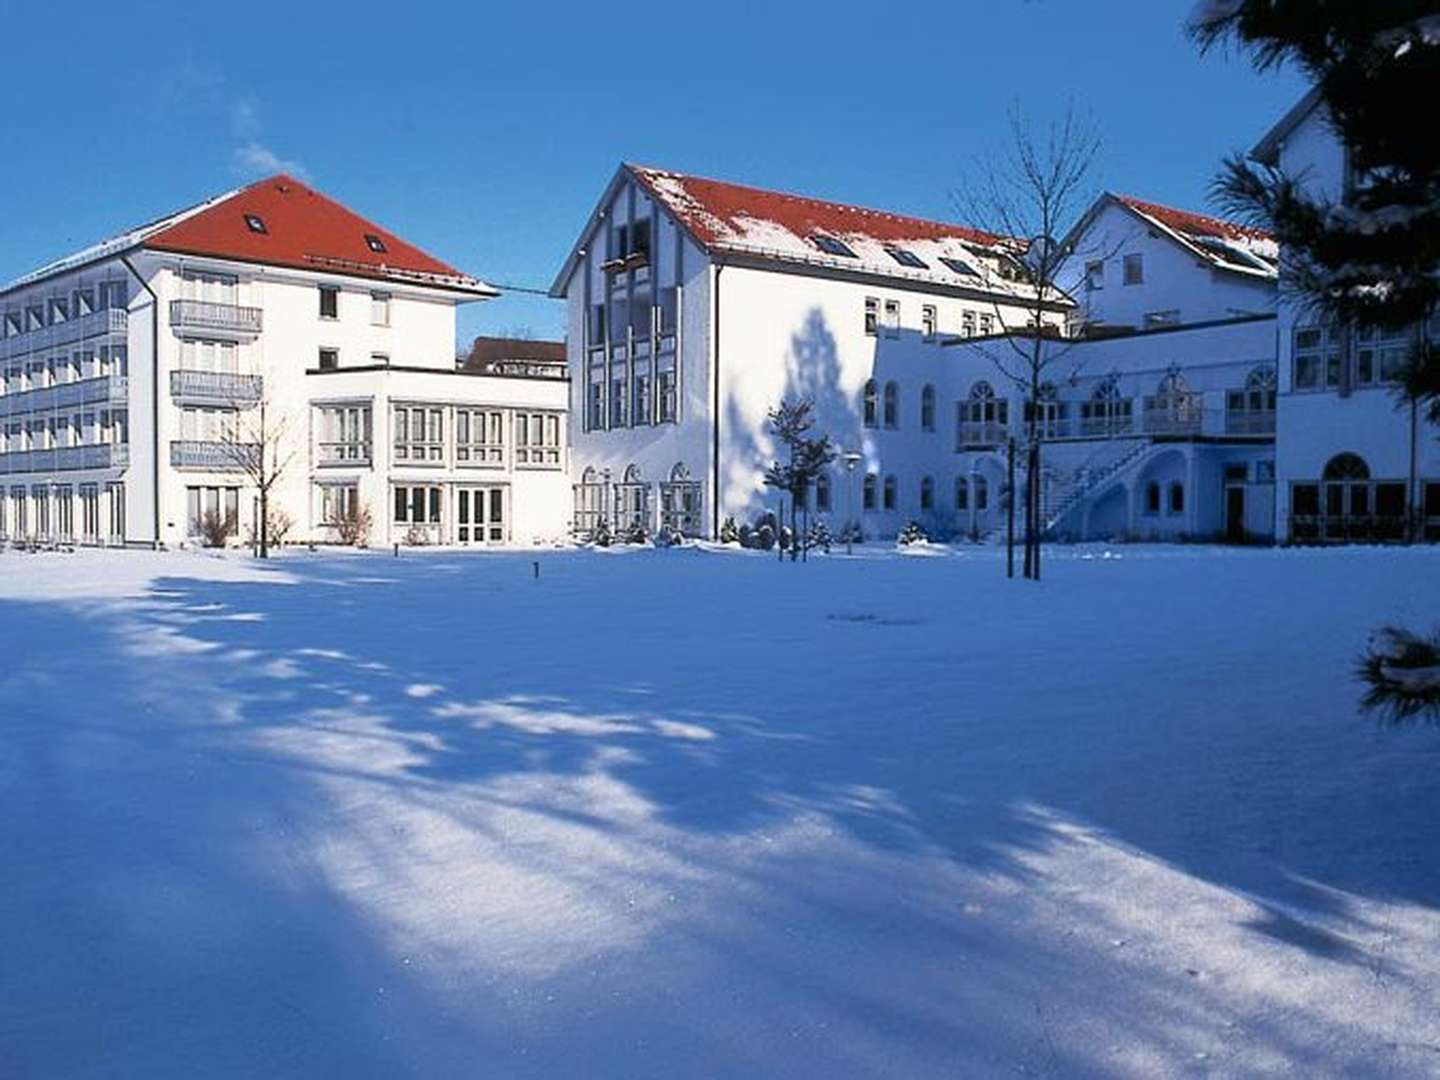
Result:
[[485, 132]]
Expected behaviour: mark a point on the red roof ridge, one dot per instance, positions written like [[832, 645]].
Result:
[[1191, 222], [929, 225]]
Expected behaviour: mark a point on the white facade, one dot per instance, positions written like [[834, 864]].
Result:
[[1353, 461], [130, 378]]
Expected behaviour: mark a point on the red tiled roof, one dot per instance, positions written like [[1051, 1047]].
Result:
[[303, 229], [717, 210], [1186, 221]]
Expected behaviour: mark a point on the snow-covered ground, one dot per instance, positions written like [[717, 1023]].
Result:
[[680, 813]]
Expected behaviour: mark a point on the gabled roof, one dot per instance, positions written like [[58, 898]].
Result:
[[1225, 245], [1267, 150], [735, 219], [298, 227]]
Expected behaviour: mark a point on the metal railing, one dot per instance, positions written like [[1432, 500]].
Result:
[[216, 387], [212, 454], [982, 433], [107, 389], [66, 458], [1250, 421], [344, 453], [106, 321], [210, 315]]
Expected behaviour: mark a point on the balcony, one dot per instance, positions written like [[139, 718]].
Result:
[[106, 390], [66, 458], [226, 389], [983, 433], [108, 321], [212, 455], [1250, 421], [206, 318], [344, 453]]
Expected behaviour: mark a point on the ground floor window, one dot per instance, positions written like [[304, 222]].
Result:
[[632, 500], [680, 502], [20, 505], [65, 512], [822, 493], [89, 514], [890, 493], [213, 512], [417, 505], [1430, 510], [480, 515], [869, 491], [40, 496], [115, 493], [339, 503], [589, 501], [1177, 498], [1347, 504]]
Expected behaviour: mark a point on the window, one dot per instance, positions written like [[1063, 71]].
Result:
[[256, 224], [374, 243], [927, 493], [379, 309], [329, 302], [619, 399], [907, 258], [595, 408], [212, 502], [1134, 270], [892, 405], [962, 493], [1095, 274], [680, 502], [589, 496], [822, 493], [665, 388], [329, 359], [1252, 410], [870, 404], [957, 266], [632, 499], [1177, 498], [987, 324], [868, 491], [927, 408], [339, 503], [831, 246], [537, 439], [345, 434], [928, 320], [417, 505], [1316, 356], [419, 434], [1107, 412], [982, 492], [892, 318], [890, 493], [983, 418], [1380, 354], [479, 437], [1152, 498], [113, 294], [967, 324], [872, 314]]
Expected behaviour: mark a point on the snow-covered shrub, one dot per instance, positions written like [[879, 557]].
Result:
[[785, 538], [216, 528], [746, 535], [666, 537], [353, 528], [729, 532], [819, 538], [602, 536], [912, 533], [764, 536], [634, 533]]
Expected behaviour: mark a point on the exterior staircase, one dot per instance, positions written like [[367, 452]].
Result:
[[1063, 494]]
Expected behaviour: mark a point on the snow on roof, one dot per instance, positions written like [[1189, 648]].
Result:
[[279, 221], [737, 219], [1225, 244]]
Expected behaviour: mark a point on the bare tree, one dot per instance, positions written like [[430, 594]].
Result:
[[257, 445], [1024, 197]]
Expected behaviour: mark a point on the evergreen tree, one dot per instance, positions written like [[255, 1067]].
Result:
[[1370, 258], [791, 424]]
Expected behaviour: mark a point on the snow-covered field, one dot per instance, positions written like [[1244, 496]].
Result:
[[659, 814]]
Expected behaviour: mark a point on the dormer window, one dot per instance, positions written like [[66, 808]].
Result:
[[256, 224], [907, 258], [374, 243], [831, 246]]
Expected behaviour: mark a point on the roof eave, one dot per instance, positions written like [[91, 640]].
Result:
[[1267, 150]]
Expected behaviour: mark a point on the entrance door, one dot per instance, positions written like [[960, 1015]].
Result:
[[1235, 513], [480, 515]]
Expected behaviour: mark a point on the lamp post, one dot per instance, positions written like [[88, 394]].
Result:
[[852, 458]]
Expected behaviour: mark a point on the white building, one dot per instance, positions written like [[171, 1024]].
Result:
[[135, 371], [1352, 460], [694, 306]]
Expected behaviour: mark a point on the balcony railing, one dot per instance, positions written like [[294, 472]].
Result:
[[225, 388], [982, 433], [65, 458], [1159, 423], [107, 389], [344, 453], [1250, 421], [107, 321], [212, 455], [207, 316]]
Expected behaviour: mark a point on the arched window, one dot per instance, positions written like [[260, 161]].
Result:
[[1048, 411], [870, 404], [632, 474], [822, 493], [1346, 466], [892, 405], [1177, 498], [982, 492], [927, 408], [1107, 412], [588, 476], [632, 499], [589, 501], [868, 491], [1252, 410], [962, 493], [983, 417], [889, 493], [927, 493], [680, 502], [1152, 498]]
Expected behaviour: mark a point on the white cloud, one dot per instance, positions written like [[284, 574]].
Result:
[[252, 157]]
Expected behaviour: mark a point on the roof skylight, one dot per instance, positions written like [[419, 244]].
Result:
[[374, 243], [960, 267], [831, 246], [256, 224], [907, 258]]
